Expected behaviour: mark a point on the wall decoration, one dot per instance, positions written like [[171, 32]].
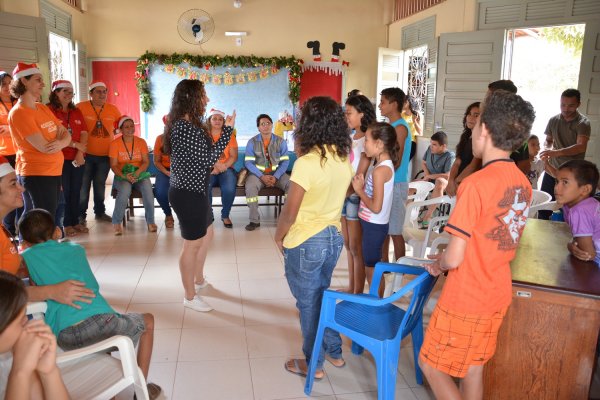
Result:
[[261, 67]]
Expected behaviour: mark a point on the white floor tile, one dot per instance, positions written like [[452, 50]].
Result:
[[274, 340], [265, 289], [214, 380], [166, 315], [213, 344], [270, 312]]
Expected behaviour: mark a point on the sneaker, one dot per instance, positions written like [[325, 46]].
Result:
[[153, 391], [103, 217], [197, 304], [252, 226], [202, 285]]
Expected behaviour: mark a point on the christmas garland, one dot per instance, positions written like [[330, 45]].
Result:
[[142, 74]]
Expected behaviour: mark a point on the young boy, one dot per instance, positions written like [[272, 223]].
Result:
[[391, 105], [50, 262], [437, 162], [576, 183], [536, 164], [485, 228]]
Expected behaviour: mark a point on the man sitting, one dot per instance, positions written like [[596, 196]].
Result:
[[266, 160]]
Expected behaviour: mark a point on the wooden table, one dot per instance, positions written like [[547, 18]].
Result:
[[547, 342]]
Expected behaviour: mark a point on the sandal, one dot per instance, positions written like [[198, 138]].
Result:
[[70, 231], [295, 369], [152, 228], [169, 222], [118, 229], [81, 228]]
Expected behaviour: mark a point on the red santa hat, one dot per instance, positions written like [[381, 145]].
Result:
[[96, 84], [5, 167], [119, 123], [165, 118], [214, 111], [22, 70], [61, 84]]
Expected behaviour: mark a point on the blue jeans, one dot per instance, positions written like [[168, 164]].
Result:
[[95, 172], [161, 192], [308, 269], [226, 181], [68, 205], [123, 193]]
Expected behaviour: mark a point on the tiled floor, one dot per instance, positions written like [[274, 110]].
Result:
[[236, 351]]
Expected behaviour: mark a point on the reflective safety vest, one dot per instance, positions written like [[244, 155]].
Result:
[[260, 159]]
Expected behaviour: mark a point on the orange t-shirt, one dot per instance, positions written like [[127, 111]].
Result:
[[124, 154], [230, 146], [7, 147], [490, 214], [269, 169], [9, 255], [99, 138], [24, 122], [165, 160]]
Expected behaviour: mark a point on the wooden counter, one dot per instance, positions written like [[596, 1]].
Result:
[[547, 342]]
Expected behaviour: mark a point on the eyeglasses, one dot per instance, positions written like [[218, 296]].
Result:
[[266, 123]]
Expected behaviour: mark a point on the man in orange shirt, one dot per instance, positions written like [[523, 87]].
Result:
[[100, 118], [485, 227]]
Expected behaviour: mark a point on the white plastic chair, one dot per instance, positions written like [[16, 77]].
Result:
[[90, 373], [550, 206], [423, 189], [420, 239], [540, 197]]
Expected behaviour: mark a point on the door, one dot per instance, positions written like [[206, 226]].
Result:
[[467, 63], [119, 79], [81, 72], [390, 73], [589, 86], [24, 39]]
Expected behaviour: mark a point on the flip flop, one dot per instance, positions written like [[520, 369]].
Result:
[[296, 369], [341, 363]]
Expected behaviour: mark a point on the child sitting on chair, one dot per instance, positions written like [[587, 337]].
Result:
[[576, 183], [50, 262]]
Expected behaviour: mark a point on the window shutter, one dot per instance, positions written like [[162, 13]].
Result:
[[57, 21], [419, 33]]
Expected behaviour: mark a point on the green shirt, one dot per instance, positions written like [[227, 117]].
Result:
[[52, 262]]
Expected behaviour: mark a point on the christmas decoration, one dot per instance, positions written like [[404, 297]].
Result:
[[335, 52], [315, 46], [172, 64]]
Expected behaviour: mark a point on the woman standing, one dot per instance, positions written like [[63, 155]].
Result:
[[129, 161], [7, 148], [412, 116], [61, 104], [222, 174], [39, 137], [193, 155]]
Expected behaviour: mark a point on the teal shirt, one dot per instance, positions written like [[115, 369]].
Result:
[[401, 174], [52, 262]]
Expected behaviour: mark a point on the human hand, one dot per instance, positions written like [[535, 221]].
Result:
[[451, 188], [53, 147], [80, 159], [434, 268], [279, 244], [80, 146], [30, 346], [214, 171], [47, 361], [546, 154], [578, 253], [68, 292], [230, 120], [358, 183], [131, 178]]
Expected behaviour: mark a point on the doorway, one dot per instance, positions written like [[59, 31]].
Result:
[[543, 62]]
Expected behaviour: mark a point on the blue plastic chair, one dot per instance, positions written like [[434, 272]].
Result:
[[376, 324]]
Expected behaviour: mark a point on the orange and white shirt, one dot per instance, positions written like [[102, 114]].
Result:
[[490, 215], [23, 122], [231, 146], [9, 254], [165, 160], [7, 147], [100, 135], [128, 153]]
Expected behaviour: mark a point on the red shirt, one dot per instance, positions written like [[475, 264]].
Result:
[[73, 120]]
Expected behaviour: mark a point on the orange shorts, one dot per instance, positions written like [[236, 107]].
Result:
[[455, 341]]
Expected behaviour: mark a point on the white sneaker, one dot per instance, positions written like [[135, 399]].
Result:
[[197, 304], [202, 285]]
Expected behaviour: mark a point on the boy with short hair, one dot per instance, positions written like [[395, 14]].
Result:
[[437, 162], [50, 262], [576, 183], [485, 228]]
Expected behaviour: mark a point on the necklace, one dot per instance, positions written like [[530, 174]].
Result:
[[130, 155]]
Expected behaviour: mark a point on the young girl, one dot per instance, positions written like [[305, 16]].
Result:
[[308, 231], [360, 113], [376, 194], [537, 164], [33, 373]]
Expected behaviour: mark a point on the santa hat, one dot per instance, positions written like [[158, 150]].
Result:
[[3, 74], [5, 167], [22, 70], [214, 111], [61, 84], [96, 84], [165, 118], [119, 123]]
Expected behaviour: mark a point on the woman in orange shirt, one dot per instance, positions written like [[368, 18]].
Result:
[[11, 198], [223, 174], [129, 161], [162, 162], [7, 149], [39, 137]]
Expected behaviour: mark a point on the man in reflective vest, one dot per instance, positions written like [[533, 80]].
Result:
[[267, 161]]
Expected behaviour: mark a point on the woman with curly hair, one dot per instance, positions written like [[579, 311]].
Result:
[[360, 113], [308, 231], [464, 152], [189, 144]]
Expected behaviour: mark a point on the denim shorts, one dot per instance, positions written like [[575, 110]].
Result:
[[350, 208], [99, 327], [398, 208]]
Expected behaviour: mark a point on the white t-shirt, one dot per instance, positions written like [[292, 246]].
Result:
[[537, 167], [358, 147], [383, 216]]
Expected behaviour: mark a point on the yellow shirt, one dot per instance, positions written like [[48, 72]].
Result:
[[325, 187]]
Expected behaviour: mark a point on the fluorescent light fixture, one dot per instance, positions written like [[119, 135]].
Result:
[[228, 33]]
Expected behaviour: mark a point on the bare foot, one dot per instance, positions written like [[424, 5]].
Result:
[[298, 366]]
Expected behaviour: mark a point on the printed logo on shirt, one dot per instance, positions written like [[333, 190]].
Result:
[[49, 125], [512, 219]]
